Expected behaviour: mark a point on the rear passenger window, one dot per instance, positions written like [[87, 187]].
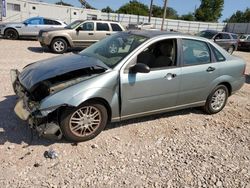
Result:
[[116, 27], [219, 57], [102, 27], [51, 22], [195, 52]]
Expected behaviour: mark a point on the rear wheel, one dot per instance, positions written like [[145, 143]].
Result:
[[231, 49], [59, 45], [11, 34], [217, 99], [84, 122]]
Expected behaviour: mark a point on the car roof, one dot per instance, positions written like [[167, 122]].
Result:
[[44, 18], [155, 33]]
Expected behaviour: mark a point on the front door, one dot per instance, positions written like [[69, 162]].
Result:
[[156, 91], [32, 26], [84, 35]]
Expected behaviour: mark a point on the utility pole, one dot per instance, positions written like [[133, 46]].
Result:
[[150, 11], [164, 14]]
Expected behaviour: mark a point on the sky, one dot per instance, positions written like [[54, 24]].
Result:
[[181, 6]]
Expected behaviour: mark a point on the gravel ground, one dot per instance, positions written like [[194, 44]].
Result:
[[186, 148]]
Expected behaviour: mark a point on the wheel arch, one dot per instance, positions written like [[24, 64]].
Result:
[[228, 85], [61, 37], [10, 28], [104, 103], [99, 100]]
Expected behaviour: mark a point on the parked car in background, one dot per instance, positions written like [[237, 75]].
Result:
[[127, 75], [228, 41], [244, 43], [81, 33], [28, 28], [140, 26]]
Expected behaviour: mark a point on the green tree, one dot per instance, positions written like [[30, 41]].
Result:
[[209, 10], [107, 9], [137, 8], [188, 17], [63, 3], [240, 17], [134, 7], [157, 11]]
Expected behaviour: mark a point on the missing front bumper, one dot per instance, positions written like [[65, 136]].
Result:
[[44, 128]]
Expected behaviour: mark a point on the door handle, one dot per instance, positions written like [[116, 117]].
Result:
[[91, 33], [170, 76], [107, 33], [210, 69]]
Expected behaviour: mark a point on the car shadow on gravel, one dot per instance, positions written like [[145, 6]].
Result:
[[248, 79], [14, 130], [154, 117], [47, 50]]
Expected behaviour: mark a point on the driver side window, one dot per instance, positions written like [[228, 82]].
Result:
[[161, 54], [36, 21], [88, 26]]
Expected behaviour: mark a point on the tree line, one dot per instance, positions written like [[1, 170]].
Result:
[[208, 11]]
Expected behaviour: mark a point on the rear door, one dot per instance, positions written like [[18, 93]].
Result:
[[198, 72], [102, 30]]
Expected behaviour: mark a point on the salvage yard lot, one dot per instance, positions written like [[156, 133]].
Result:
[[177, 149]]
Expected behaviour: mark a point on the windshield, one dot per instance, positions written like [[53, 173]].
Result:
[[113, 49], [206, 34], [73, 24]]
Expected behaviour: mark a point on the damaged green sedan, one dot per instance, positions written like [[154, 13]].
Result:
[[126, 75]]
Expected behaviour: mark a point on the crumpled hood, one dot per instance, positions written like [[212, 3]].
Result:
[[39, 71]]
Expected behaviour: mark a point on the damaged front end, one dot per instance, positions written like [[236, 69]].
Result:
[[38, 82], [44, 122]]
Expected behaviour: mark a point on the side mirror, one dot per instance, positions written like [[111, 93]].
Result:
[[140, 67], [25, 23], [78, 29]]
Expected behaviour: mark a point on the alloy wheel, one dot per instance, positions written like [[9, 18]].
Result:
[[59, 46], [218, 99], [85, 121]]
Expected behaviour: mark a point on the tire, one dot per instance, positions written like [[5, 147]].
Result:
[[230, 49], [76, 122], [11, 34], [216, 100], [59, 46]]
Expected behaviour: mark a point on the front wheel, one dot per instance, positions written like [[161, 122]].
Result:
[[84, 122], [11, 34], [59, 46], [217, 99]]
